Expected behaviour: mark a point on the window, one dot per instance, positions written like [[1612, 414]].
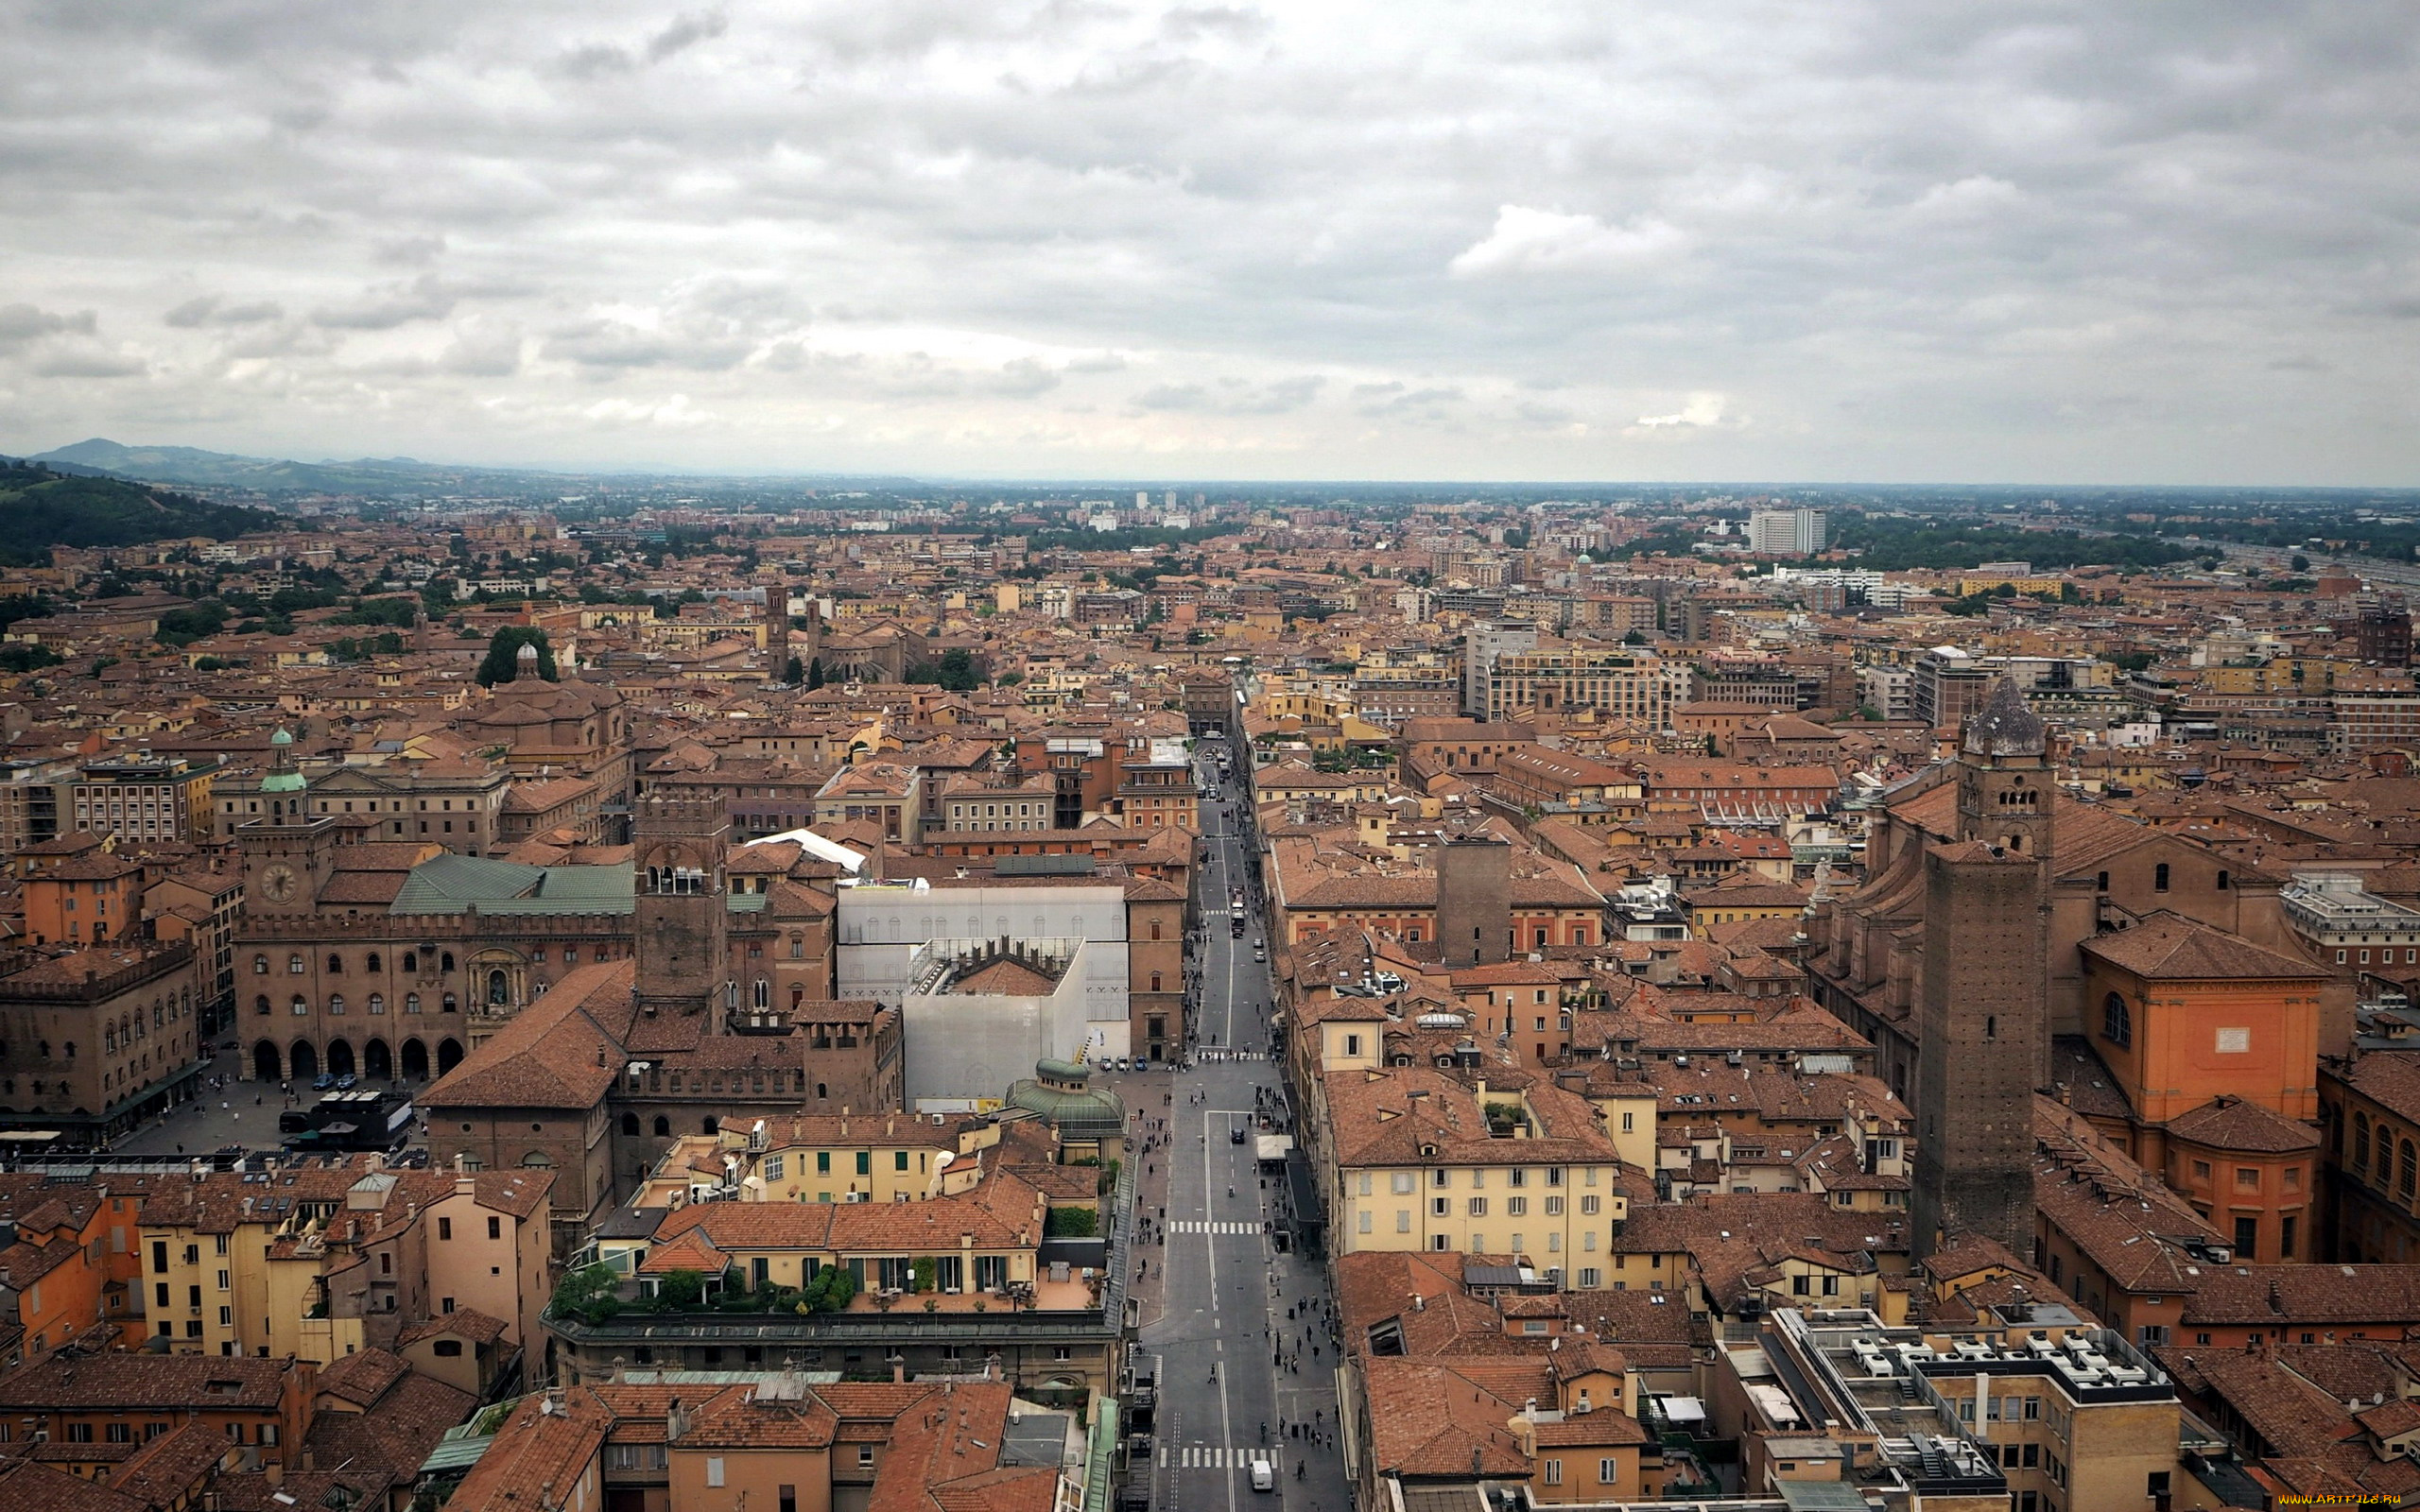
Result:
[[899, 1159], [2285, 1237], [2407, 1164], [713, 1470], [2159, 877], [1554, 1472], [495, 1228], [2247, 1235], [2361, 1142], [444, 1227], [1441, 1206], [2116, 1021]]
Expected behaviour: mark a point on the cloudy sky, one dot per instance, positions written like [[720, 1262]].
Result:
[[1701, 240]]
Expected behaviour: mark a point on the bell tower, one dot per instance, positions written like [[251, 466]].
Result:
[[682, 923], [777, 628], [2004, 776], [285, 846]]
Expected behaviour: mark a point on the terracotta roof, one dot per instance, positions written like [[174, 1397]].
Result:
[[2167, 946], [2234, 1124], [552, 1054], [66, 1381]]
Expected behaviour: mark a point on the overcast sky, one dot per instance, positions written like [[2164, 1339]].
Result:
[[1841, 240]]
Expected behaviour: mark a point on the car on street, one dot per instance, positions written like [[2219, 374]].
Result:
[[322, 1082], [1234, 1133], [1264, 1474]]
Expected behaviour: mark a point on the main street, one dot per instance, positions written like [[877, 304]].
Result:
[[1238, 1376]]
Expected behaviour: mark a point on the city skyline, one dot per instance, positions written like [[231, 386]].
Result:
[[1894, 243]]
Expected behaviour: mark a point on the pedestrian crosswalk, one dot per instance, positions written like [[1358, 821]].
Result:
[[1197, 1226], [1212, 1456]]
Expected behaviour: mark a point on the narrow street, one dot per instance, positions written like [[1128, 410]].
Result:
[[1247, 1362]]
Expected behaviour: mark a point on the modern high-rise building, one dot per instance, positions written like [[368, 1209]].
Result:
[[1785, 532], [1484, 643]]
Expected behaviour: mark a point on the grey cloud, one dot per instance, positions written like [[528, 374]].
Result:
[[483, 354], [384, 308], [1022, 379], [1228, 22], [1232, 396], [93, 362], [412, 251], [210, 309], [617, 344], [686, 31], [595, 59], [23, 322]]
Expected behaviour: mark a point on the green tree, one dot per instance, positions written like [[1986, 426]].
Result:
[[793, 672], [2300, 562], [1072, 1223], [815, 673], [502, 663], [26, 656], [679, 1290]]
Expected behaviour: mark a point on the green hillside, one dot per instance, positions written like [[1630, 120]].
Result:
[[39, 508]]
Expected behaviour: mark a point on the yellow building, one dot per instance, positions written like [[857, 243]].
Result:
[[827, 1157], [298, 1265], [1422, 1160]]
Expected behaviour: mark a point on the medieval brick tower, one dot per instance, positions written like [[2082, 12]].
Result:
[[1982, 1020], [683, 929], [777, 628]]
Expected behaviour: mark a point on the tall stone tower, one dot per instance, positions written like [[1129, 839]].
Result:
[[777, 628], [683, 928], [1474, 903], [1982, 1020]]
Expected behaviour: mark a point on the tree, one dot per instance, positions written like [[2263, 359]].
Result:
[[28, 656], [815, 673], [2300, 562], [793, 672], [503, 662], [1634, 638], [679, 1290]]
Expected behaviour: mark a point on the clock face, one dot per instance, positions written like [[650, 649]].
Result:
[[277, 883]]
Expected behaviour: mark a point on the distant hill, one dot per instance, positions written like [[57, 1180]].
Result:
[[196, 468], [377, 476], [40, 508]]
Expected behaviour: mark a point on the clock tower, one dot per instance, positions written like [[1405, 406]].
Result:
[[285, 849]]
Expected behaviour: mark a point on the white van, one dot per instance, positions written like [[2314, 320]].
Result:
[[1263, 1475]]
